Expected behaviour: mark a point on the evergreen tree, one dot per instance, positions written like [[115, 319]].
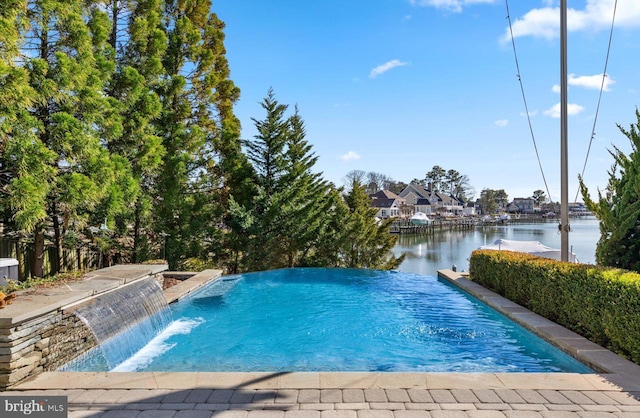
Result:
[[365, 243], [539, 197], [295, 217], [59, 170], [16, 96], [234, 172], [492, 200], [618, 209], [136, 36], [436, 178], [196, 97], [304, 200], [254, 219], [288, 215], [267, 152]]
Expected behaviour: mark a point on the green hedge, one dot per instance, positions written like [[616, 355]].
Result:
[[601, 304]]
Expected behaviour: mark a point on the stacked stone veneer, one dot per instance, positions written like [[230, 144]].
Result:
[[47, 340], [43, 343]]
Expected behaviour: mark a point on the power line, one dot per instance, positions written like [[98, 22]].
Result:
[[524, 98], [604, 77]]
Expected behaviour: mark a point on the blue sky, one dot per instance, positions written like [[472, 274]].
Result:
[[398, 86]]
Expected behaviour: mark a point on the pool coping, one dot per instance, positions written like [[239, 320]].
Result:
[[613, 373], [604, 362]]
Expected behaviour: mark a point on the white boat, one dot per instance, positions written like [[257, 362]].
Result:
[[531, 247], [420, 218]]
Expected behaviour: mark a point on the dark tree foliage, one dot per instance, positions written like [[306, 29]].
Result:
[[618, 208], [196, 95], [119, 113], [492, 201], [58, 59], [365, 242], [288, 216], [539, 197], [295, 217], [137, 37]]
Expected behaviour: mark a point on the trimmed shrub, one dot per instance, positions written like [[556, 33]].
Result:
[[601, 304]]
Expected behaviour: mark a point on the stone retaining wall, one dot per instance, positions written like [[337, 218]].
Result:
[[41, 338], [41, 344]]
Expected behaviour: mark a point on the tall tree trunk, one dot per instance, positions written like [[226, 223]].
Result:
[[38, 252], [57, 237], [136, 233], [113, 38]]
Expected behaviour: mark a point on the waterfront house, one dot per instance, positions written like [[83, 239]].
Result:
[[522, 205], [413, 192], [389, 204], [424, 205], [431, 202]]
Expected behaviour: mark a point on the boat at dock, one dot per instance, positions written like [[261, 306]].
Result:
[[420, 218]]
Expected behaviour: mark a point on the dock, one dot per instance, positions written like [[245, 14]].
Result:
[[407, 228]]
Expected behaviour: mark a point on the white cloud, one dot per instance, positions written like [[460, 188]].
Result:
[[381, 69], [572, 109], [596, 15], [591, 81], [587, 81], [351, 155], [450, 5], [502, 122]]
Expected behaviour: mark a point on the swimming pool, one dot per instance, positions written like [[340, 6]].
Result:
[[342, 320]]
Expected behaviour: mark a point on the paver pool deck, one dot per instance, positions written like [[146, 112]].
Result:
[[614, 392]]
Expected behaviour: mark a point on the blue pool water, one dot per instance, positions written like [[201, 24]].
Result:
[[342, 320]]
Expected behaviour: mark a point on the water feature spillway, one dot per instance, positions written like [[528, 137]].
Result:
[[135, 313]]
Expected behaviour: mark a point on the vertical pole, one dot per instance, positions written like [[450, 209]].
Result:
[[564, 188]]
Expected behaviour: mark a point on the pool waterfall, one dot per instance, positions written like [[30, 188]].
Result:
[[122, 321]]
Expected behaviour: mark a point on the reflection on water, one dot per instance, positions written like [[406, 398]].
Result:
[[425, 254]]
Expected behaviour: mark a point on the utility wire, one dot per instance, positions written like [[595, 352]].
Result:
[[524, 98], [604, 77]]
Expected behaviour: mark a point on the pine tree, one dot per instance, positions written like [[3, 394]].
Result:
[[306, 198], [256, 219], [136, 36], [59, 170], [618, 209], [366, 244], [295, 217], [289, 212], [196, 96], [16, 123]]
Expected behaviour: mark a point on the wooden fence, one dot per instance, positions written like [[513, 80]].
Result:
[[72, 259]]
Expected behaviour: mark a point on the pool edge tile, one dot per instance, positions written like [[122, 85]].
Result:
[[403, 380], [329, 380], [552, 381], [175, 380], [231, 380], [348, 380], [300, 380], [464, 381]]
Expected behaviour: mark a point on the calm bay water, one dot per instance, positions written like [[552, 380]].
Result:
[[425, 254]]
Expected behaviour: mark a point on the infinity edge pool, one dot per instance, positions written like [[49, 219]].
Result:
[[613, 371]]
